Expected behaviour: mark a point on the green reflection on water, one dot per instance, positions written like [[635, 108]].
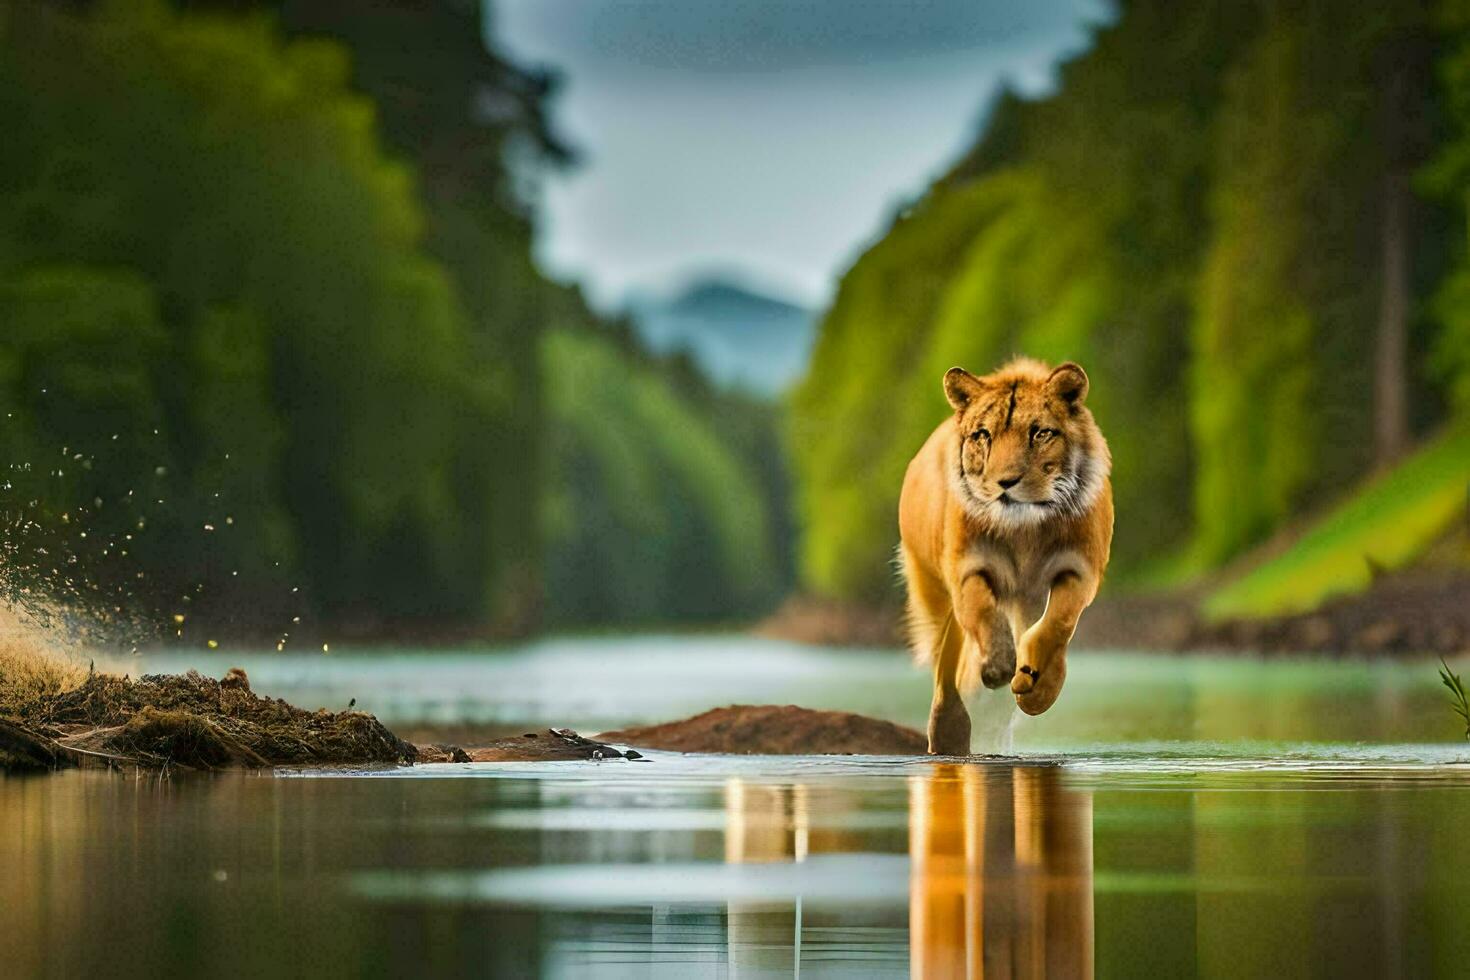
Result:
[[926, 867]]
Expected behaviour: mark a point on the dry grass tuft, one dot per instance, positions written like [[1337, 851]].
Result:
[[30, 668]]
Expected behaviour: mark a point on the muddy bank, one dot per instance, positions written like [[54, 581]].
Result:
[[188, 720], [739, 729], [768, 729], [1405, 614]]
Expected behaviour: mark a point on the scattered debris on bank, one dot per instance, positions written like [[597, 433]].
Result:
[[551, 745], [769, 729], [188, 720]]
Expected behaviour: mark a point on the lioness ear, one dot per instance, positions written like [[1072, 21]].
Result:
[[1069, 383], [961, 388]]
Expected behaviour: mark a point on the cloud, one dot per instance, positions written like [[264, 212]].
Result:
[[774, 35], [774, 137]]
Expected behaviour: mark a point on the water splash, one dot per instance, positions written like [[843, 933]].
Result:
[[993, 721], [99, 562]]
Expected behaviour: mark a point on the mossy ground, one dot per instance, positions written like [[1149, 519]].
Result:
[[1388, 524]]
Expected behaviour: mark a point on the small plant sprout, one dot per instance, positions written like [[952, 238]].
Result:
[[1459, 702]]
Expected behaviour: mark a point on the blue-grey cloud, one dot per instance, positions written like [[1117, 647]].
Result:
[[766, 35]]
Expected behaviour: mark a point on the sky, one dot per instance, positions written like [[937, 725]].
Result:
[[768, 140]]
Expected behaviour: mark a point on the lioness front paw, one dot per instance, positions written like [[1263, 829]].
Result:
[[1035, 692], [1040, 675], [999, 663], [997, 669]]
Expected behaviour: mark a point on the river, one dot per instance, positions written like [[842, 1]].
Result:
[[1171, 816]]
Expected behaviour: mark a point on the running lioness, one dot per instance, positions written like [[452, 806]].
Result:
[[1007, 519]]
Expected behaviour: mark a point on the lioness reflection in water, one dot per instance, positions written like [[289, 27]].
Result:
[[1000, 879], [1002, 874]]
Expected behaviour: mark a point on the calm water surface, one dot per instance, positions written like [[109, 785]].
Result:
[[1170, 817]]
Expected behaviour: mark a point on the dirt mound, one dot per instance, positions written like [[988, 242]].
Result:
[[769, 729], [192, 720]]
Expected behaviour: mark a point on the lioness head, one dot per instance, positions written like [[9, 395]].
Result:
[[1029, 449]]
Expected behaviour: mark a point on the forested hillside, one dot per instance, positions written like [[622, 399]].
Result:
[[653, 516], [272, 344], [1246, 220]]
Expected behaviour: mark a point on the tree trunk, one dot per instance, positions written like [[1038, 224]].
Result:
[[1390, 378]]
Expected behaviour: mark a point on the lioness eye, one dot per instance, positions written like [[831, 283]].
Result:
[[1041, 435]]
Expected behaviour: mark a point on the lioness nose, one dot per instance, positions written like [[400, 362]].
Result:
[[1008, 482]]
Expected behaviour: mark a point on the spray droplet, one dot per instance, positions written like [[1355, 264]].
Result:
[[325, 648], [213, 644]]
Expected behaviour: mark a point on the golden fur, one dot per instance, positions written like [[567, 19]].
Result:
[[1007, 520]]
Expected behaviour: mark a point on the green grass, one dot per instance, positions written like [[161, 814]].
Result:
[[1459, 702], [1388, 523]]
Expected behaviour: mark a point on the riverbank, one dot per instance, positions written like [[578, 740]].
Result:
[[1410, 613], [195, 722], [187, 720]]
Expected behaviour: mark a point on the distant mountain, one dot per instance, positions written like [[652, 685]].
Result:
[[740, 337]]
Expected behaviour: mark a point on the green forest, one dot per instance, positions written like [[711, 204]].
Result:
[[1248, 221], [274, 348]]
